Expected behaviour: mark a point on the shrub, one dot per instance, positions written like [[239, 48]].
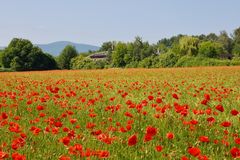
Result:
[[188, 61], [235, 61], [167, 60], [211, 49]]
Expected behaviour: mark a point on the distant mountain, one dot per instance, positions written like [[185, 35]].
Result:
[[55, 48], [2, 48]]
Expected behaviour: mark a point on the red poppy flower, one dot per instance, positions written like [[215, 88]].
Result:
[[202, 157], [226, 124], [211, 119], [128, 114], [204, 139], [132, 140], [204, 102], [234, 112], [235, 152], [147, 137], [158, 100], [17, 156], [237, 141], [174, 95], [39, 108], [64, 158], [66, 141], [220, 108], [151, 131], [194, 151], [170, 135], [3, 155], [4, 115], [150, 97], [184, 158], [104, 154], [159, 148], [207, 96]]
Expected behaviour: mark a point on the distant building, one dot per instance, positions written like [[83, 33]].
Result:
[[98, 55], [226, 56]]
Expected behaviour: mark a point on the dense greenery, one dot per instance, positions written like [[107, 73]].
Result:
[[176, 51], [21, 55], [65, 57]]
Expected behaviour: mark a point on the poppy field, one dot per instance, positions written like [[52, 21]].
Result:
[[179, 113]]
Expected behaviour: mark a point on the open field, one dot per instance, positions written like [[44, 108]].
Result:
[[181, 113]]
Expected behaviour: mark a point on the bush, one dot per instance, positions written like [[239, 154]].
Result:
[[235, 61], [81, 62], [211, 49], [167, 60], [133, 64], [188, 61]]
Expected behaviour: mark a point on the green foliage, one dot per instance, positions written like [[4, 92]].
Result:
[[189, 61], [146, 63], [118, 55], [211, 49], [236, 50], [107, 46], [167, 60], [167, 52], [235, 61], [132, 64], [1, 55], [236, 35], [226, 41], [211, 37], [236, 40], [21, 55], [65, 57], [81, 62], [188, 46]]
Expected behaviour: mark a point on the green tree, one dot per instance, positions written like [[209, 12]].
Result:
[[211, 49], [137, 47], [188, 45], [168, 59], [107, 46], [21, 55], [1, 55], [236, 42], [65, 57], [226, 41], [118, 55], [212, 37], [81, 62]]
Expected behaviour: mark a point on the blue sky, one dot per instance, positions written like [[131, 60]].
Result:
[[97, 21]]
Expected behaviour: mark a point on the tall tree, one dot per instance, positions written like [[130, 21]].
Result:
[[107, 46], [212, 37], [226, 41], [211, 49], [21, 55], [118, 55], [65, 57], [236, 41], [137, 47], [188, 45]]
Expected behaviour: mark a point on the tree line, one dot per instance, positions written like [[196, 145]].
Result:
[[180, 50]]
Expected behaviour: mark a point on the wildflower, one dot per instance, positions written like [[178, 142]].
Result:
[[132, 140]]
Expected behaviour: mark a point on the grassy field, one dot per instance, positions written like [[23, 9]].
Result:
[[182, 113]]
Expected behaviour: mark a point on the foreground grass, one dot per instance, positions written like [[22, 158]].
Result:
[[94, 114]]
